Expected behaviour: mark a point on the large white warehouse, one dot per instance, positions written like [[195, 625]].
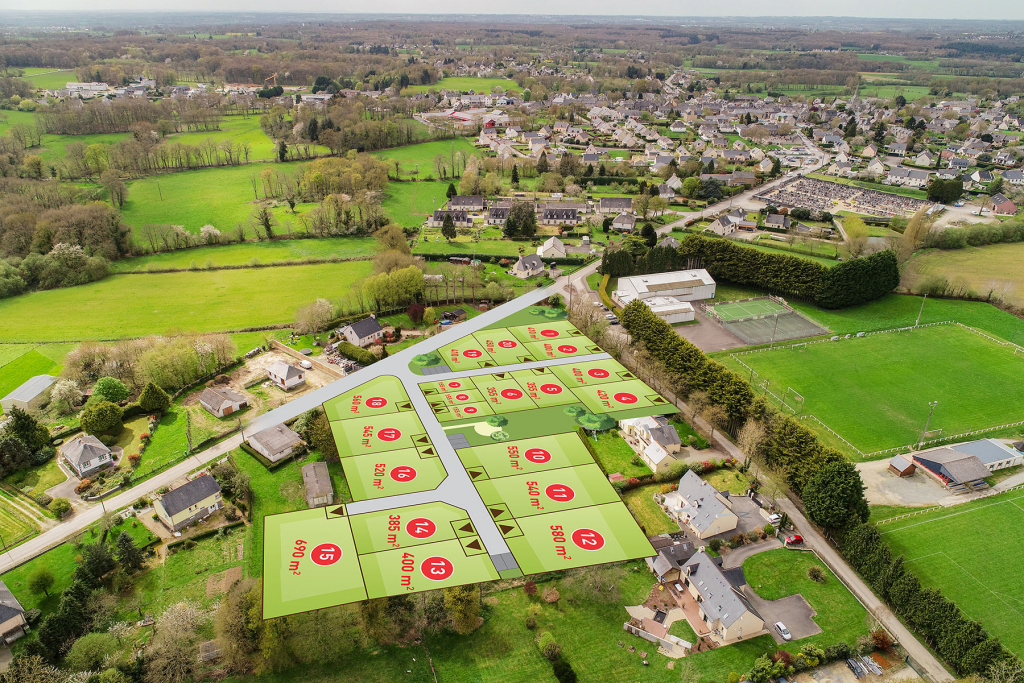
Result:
[[667, 294]]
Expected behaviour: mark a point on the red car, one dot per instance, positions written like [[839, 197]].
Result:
[[795, 539]]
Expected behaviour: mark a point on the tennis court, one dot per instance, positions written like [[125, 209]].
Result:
[[736, 310]]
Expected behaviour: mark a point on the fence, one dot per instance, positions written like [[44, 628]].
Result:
[[318, 364], [988, 494]]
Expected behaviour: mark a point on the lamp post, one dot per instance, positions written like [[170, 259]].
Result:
[[931, 409]]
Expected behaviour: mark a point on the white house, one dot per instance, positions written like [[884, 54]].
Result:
[[86, 455], [364, 332], [552, 248], [720, 604], [527, 266], [658, 439], [285, 375], [275, 443], [222, 401], [701, 507]]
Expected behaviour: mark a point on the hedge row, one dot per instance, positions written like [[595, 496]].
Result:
[[849, 283], [205, 534], [309, 260], [353, 352], [263, 459], [567, 261]]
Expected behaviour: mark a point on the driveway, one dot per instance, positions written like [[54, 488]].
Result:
[[792, 610], [748, 517], [736, 557], [885, 488], [708, 335]]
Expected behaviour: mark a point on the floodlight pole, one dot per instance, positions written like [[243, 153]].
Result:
[[772, 345], [918, 322], [931, 409]]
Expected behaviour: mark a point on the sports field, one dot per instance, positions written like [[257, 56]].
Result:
[[735, 310], [947, 549], [890, 378]]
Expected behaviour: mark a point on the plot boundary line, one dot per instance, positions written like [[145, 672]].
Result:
[[1012, 501], [977, 581]]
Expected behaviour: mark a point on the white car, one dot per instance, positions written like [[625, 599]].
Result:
[[783, 631], [774, 519]]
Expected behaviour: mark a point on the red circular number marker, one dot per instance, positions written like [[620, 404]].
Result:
[[511, 394], [437, 568], [567, 348], [389, 434], [472, 353], [587, 539], [537, 455], [598, 373], [325, 554], [461, 397], [403, 473], [559, 493], [454, 385], [551, 389], [469, 410], [376, 402], [549, 333], [421, 527], [623, 397], [507, 344]]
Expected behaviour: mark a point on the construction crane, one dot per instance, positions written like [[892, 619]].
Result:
[[270, 77]]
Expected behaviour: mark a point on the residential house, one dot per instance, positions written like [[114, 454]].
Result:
[[777, 221], [527, 266], [497, 215], [666, 192], [959, 164], [925, 158], [552, 248], [701, 507], [672, 556], [191, 502], [869, 152], [876, 168], [1003, 206], [276, 443], [13, 624], [669, 242], [461, 219], [1014, 177], [897, 149], [86, 455], [659, 441], [30, 395], [221, 401], [677, 127], [721, 605], [615, 204], [363, 332], [624, 222], [558, 216], [317, 481], [285, 375]]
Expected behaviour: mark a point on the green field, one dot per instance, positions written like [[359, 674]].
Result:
[[648, 514], [409, 204], [376, 434], [548, 491], [466, 83], [35, 480], [984, 270], [420, 157], [379, 396], [208, 301], [526, 456], [943, 549], [278, 251], [60, 560], [239, 130], [49, 79], [15, 525], [23, 368], [891, 377]]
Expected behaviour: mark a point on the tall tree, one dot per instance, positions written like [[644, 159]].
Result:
[[834, 496], [448, 228], [127, 553]]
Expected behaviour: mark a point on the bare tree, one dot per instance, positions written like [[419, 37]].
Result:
[[751, 437], [315, 317], [716, 417]]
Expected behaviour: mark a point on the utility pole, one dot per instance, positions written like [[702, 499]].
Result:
[[772, 345], [918, 322], [931, 409]]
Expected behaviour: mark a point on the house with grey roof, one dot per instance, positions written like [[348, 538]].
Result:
[[285, 375], [615, 204], [958, 471], [363, 332], [13, 624], [86, 455], [527, 266], [222, 401], [276, 443], [189, 503], [30, 395], [720, 604], [317, 481], [656, 441], [670, 559], [701, 507]]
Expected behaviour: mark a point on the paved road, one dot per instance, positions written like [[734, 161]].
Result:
[[85, 517]]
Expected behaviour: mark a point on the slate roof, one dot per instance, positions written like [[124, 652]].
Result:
[[721, 601], [284, 370], [83, 449], [276, 439], [217, 397], [365, 327], [702, 502], [187, 495], [9, 605], [529, 262], [961, 467]]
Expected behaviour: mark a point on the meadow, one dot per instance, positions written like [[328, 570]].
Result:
[[994, 268], [409, 204], [15, 525], [945, 549], [205, 301], [422, 155], [47, 78], [278, 251], [890, 378], [238, 129], [465, 84]]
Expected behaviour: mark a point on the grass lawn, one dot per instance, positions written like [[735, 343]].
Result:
[[891, 377], [685, 431], [273, 492], [278, 251], [167, 445], [777, 573], [24, 367], [615, 455], [402, 319], [409, 204], [35, 480], [991, 269], [47, 78], [681, 629], [466, 83], [421, 157], [648, 514], [882, 512], [15, 525], [208, 301], [53, 147], [60, 560], [728, 479], [239, 130], [465, 245], [981, 574]]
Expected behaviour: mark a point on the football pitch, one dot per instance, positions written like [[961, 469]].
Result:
[[946, 549], [874, 390]]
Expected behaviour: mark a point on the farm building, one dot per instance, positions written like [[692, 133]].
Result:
[[222, 401], [285, 375], [198, 499], [86, 455], [317, 480], [275, 443], [29, 395], [364, 332]]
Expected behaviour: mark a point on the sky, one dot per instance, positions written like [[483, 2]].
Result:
[[929, 9]]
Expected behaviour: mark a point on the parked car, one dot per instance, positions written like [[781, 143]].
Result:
[[783, 631], [795, 539], [774, 519], [613, 321]]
